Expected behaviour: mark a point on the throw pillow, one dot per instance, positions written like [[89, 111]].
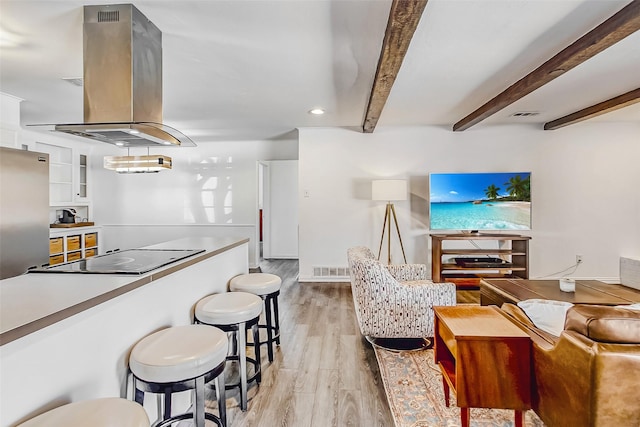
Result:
[[547, 315], [635, 306]]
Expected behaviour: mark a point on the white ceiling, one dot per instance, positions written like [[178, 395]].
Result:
[[242, 69]]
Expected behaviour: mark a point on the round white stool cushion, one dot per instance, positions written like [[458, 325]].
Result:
[[178, 353], [256, 283], [228, 308], [106, 412]]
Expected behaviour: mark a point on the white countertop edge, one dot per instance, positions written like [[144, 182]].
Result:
[[74, 230]]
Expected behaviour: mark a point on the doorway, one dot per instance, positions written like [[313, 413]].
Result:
[[277, 231]]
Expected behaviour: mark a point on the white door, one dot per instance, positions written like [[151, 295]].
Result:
[[280, 209]]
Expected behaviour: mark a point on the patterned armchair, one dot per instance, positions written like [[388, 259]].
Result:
[[394, 301]]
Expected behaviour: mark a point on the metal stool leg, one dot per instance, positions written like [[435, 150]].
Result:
[[167, 403], [256, 338], [222, 398], [242, 356], [138, 394], [234, 344], [267, 309], [277, 319], [198, 405]]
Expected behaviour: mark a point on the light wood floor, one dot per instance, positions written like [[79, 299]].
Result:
[[324, 372]]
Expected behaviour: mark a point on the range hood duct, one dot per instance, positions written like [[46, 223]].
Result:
[[123, 80]]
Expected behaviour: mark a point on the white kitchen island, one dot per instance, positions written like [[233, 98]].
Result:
[[67, 337]]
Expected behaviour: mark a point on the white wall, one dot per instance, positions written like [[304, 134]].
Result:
[[9, 120], [212, 190], [585, 196]]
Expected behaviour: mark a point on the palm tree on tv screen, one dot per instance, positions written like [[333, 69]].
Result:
[[518, 188], [492, 192]]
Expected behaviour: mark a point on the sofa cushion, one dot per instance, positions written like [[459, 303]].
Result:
[[605, 324], [547, 315]]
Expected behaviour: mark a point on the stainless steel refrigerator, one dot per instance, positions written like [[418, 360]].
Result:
[[24, 210]]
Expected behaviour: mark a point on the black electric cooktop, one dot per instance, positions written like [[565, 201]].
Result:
[[129, 261]]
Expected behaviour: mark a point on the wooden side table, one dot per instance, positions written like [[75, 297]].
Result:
[[484, 358]]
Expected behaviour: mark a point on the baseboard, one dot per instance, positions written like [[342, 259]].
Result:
[[280, 257]]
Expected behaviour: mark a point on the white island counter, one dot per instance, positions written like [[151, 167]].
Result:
[[67, 337]]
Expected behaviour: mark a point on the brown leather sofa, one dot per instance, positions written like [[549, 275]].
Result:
[[590, 375]]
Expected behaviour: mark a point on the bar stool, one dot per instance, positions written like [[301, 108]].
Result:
[[105, 412], [235, 312], [267, 287], [177, 359]]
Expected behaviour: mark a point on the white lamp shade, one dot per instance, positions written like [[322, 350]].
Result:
[[389, 189]]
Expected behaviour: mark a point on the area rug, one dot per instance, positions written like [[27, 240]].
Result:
[[413, 385]]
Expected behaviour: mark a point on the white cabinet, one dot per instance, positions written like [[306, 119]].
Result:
[[82, 191], [68, 175], [70, 244], [9, 121], [60, 173]]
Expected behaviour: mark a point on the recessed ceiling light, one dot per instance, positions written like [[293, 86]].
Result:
[[119, 144], [317, 111], [134, 132]]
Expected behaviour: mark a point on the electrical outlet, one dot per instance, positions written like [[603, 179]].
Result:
[[578, 259]]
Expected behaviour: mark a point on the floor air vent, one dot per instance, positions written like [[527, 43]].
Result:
[[331, 272]]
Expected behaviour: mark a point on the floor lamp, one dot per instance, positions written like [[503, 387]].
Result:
[[389, 190]]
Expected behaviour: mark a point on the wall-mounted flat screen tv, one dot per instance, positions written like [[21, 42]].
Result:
[[480, 201]]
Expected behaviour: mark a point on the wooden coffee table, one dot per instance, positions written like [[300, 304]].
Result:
[[485, 360], [499, 291]]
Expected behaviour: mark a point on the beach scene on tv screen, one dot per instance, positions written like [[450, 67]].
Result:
[[480, 201]]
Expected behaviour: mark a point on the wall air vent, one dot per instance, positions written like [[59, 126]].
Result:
[[109, 16], [525, 114]]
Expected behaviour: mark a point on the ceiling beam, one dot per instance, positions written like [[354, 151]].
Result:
[[403, 21], [604, 107], [617, 27]]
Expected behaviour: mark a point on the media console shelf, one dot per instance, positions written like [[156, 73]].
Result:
[[516, 256]]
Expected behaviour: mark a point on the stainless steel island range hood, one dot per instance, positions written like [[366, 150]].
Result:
[[123, 80]]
